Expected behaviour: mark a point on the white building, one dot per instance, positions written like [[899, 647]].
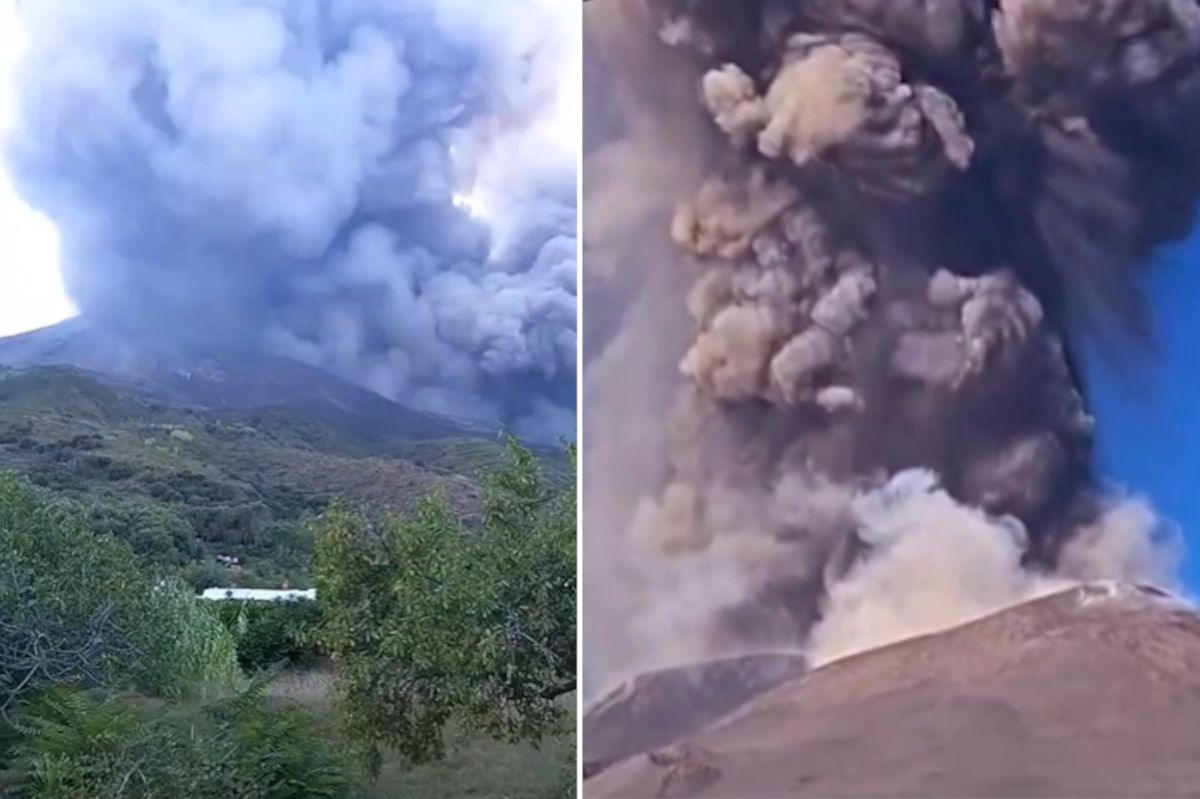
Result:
[[257, 594]]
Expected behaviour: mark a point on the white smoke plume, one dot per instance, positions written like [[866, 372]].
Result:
[[382, 189], [936, 563]]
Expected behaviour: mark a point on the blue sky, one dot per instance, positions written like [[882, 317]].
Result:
[[1148, 427]]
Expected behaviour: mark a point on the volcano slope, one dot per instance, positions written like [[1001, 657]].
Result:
[[1093, 691], [657, 708], [184, 481]]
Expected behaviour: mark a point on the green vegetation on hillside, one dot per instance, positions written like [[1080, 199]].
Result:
[[184, 486], [117, 681]]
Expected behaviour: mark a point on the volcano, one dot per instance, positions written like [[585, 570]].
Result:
[[214, 377], [1093, 691]]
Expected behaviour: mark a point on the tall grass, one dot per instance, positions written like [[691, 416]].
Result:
[[195, 650]]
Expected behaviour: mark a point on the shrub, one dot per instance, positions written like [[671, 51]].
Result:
[[158, 535], [82, 745], [204, 575], [75, 608], [271, 634], [278, 753], [190, 646]]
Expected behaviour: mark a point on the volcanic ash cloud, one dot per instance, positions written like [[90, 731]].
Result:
[[884, 218], [385, 190]]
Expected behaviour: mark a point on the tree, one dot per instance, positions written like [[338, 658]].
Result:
[[431, 621], [158, 535], [271, 634], [75, 608]]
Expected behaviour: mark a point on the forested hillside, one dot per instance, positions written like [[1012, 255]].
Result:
[[116, 680], [183, 486]]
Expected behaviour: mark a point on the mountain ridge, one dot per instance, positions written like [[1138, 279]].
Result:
[[195, 456], [1092, 691], [214, 377]]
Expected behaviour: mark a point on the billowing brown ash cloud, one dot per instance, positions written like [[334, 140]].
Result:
[[873, 232], [382, 189]]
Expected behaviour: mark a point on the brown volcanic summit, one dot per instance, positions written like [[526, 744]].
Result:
[[1091, 692]]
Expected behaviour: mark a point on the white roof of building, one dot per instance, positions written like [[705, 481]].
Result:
[[257, 594]]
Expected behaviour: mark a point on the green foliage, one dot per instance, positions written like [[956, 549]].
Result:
[[269, 634], [73, 393], [204, 575], [130, 498], [79, 745], [76, 608], [158, 535], [182, 486], [479, 766], [430, 621], [189, 647], [278, 753]]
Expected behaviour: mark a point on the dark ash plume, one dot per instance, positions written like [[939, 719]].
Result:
[[376, 188], [879, 428]]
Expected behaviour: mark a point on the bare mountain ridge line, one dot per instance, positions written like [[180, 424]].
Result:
[[658, 708], [184, 374], [1092, 692]]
